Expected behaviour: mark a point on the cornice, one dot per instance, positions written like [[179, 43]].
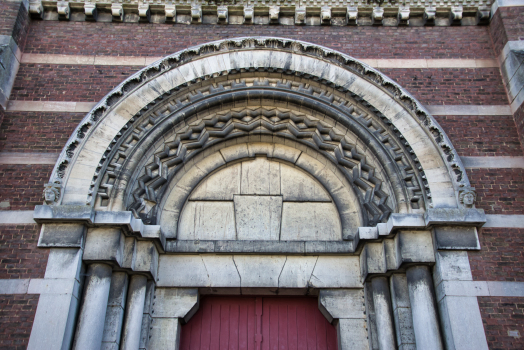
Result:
[[306, 12]]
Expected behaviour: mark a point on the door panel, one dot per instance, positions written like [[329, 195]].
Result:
[[249, 323]]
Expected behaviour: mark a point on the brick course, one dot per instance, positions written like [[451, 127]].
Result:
[[452, 86], [499, 316], [482, 136], [37, 131], [19, 255], [84, 83], [142, 39], [22, 185], [501, 256], [499, 191], [79, 83], [17, 313]]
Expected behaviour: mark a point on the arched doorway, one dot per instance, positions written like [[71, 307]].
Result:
[[259, 166]]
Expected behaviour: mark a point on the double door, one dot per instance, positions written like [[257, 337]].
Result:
[[258, 323]]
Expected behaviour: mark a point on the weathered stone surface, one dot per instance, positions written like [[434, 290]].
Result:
[[90, 324], [310, 221], [336, 272], [62, 236], [416, 246], [456, 237], [120, 218], [341, 303], [398, 221], [259, 271], [454, 216], [423, 307], [222, 271], [261, 177], [134, 312], [104, 244], [298, 186], [176, 303], [383, 311], [146, 258], [352, 334], [115, 311], [221, 185], [64, 263], [462, 323], [297, 271], [258, 217], [54, 323], [451, 266], [165, 334], [207, 220], [64, 213]]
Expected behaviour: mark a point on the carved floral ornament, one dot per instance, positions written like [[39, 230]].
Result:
[[313, 106]]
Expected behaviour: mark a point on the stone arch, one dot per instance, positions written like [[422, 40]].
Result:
[[386, 120]]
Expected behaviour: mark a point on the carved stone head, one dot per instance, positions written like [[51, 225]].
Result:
[[52, 192], [467, 197]]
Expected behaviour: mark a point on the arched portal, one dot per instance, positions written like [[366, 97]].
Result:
[[260, 166]]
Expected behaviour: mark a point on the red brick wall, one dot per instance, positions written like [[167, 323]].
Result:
[[19, 255], [88, 38], [22, 185], [499, 191], [80, 83], [17, 313], [482, 136], [452, 86], [501, 256], [500, 315], [37, 131], [83, 83]]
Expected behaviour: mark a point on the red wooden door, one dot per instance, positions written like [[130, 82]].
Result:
[[269, 323]]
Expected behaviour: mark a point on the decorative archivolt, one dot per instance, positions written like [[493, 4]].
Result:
[[163, 116], [358, 150]]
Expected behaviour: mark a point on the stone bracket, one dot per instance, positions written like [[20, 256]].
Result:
[[176, 303]]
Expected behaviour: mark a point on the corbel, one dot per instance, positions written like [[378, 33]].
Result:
[[222, 14], [117, 10], [90, 11], [63, 10], [483, 15], [144, 12], [36, 9], [403, 15], [274, 12], [249, 13], [196, 14], [170, 11], [377, 16], [430, 13], [455, 15], [352, 16], [300, 15], [325, 15]]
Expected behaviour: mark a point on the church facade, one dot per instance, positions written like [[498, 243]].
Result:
[[262, 175]]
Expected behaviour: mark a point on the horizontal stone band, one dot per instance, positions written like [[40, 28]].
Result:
[[145, 61]]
